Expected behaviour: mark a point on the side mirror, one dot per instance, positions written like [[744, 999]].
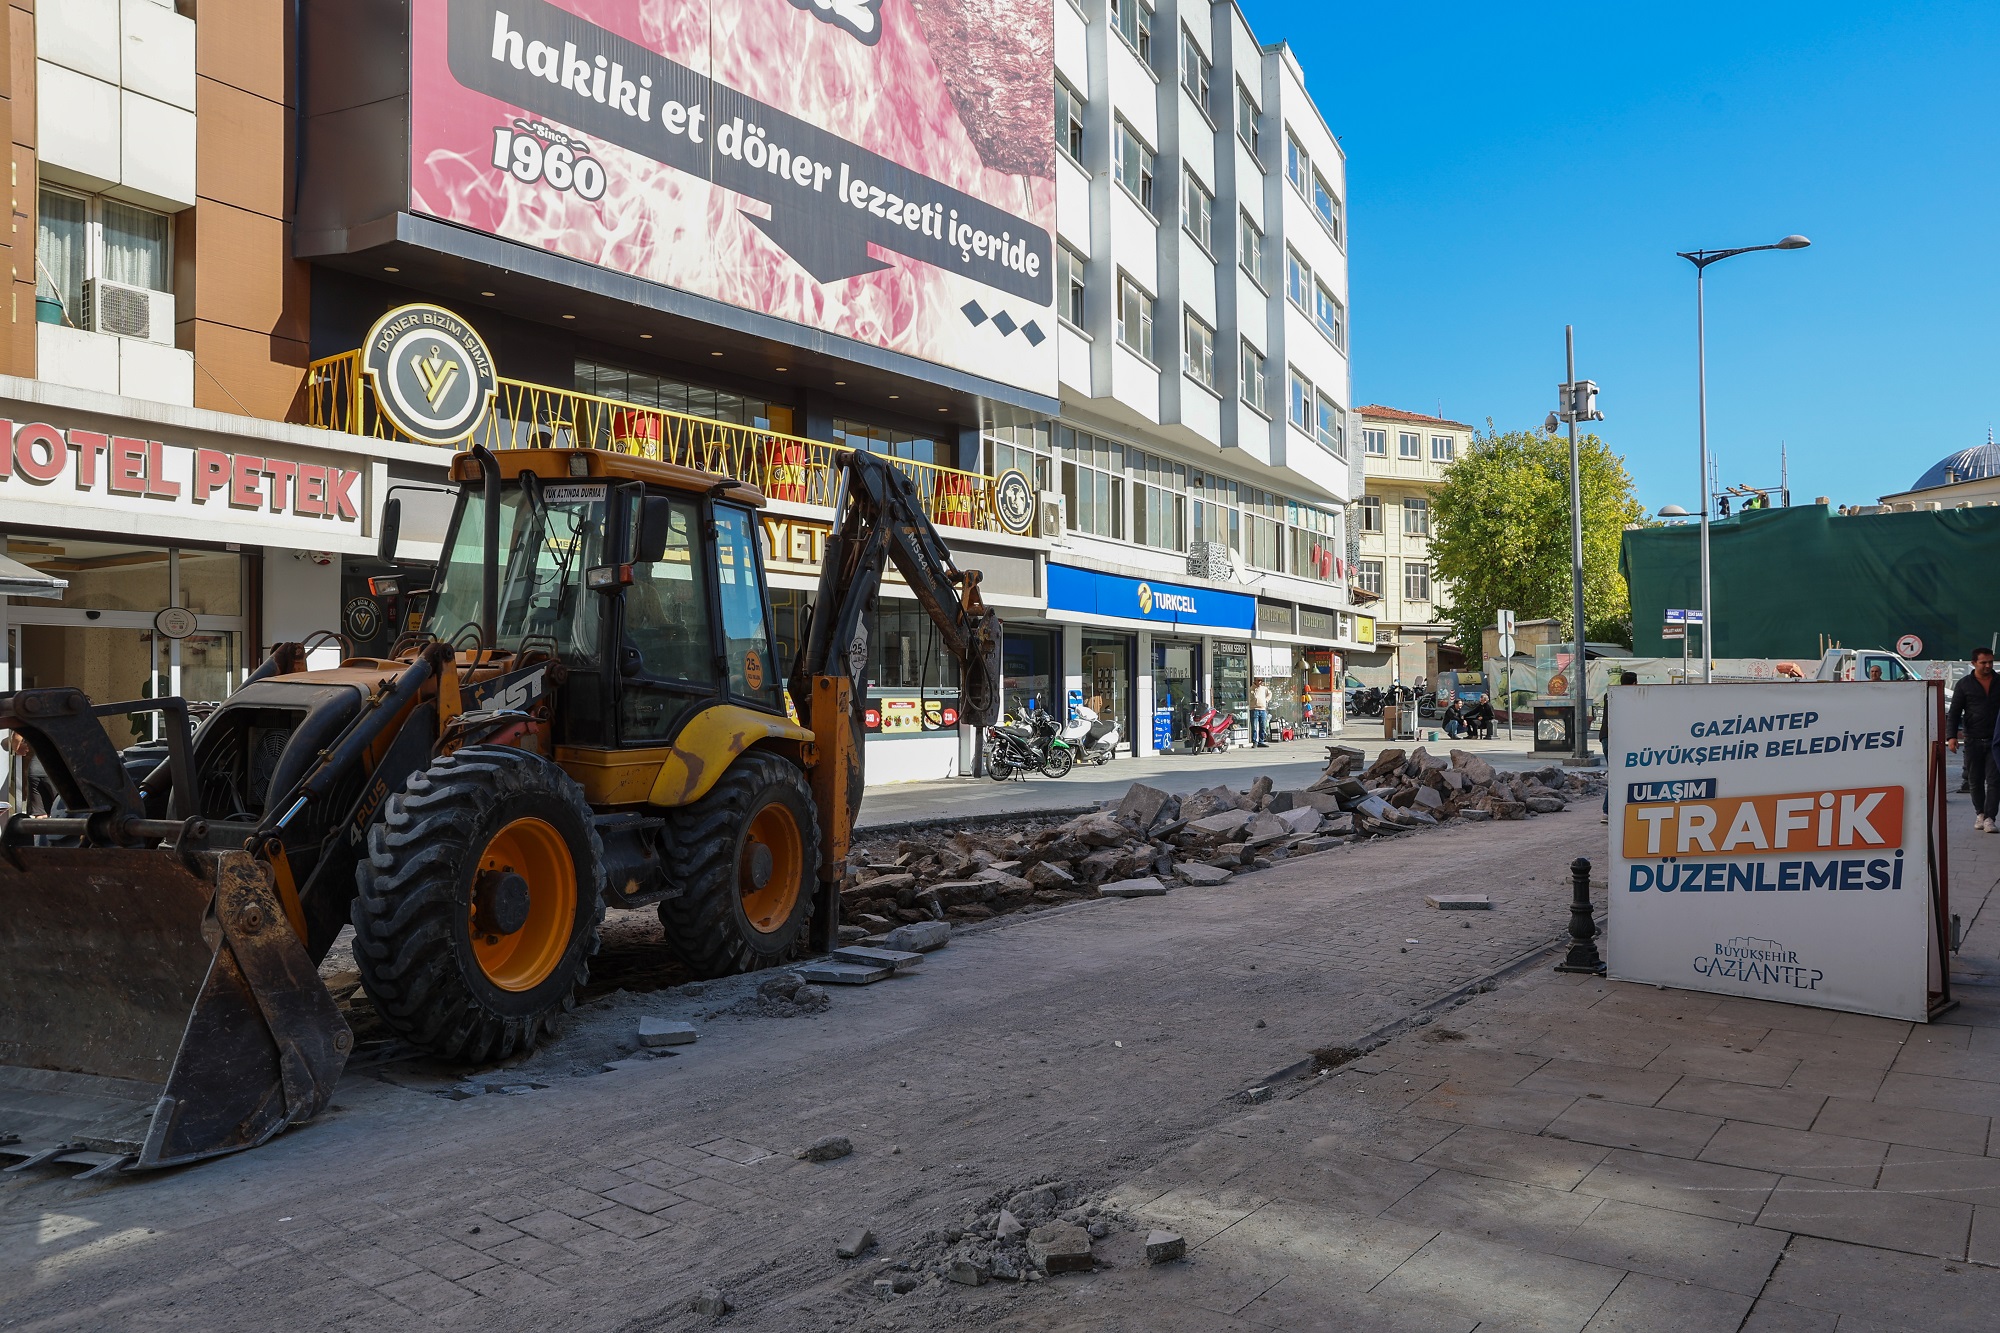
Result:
[[656, 522], [391, 529]]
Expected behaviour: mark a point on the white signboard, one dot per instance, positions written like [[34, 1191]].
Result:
[[1770, 841]]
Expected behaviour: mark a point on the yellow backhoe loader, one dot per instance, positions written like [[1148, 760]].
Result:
[[591, 715]]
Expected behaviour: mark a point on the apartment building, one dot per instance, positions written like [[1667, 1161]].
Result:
[[1404, 458], [1203, 447]]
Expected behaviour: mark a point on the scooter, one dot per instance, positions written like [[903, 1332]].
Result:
[[1018, 746], [1093, 739], [1209, 732]]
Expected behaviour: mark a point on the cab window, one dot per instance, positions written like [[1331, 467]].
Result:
[[746, 631], [666, 657]]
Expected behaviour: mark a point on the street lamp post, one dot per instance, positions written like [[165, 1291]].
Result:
[[1577, 402], [1701, 259]]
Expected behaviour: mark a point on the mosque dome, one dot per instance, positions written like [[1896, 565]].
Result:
[[1982, 460]]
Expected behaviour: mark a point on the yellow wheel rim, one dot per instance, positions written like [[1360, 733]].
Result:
[[524, 958], [771, 869]]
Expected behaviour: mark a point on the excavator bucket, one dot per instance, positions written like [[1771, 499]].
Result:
[[158, 1008]]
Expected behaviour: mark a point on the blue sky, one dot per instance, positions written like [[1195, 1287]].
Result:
[[1512, 168]]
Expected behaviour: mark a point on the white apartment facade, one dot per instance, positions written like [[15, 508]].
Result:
[[1202, 455], [1404, 458]]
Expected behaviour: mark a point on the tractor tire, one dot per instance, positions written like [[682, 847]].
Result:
[[477, 906], [748, 853]]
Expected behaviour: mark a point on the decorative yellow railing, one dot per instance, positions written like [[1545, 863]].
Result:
[[533, 416]]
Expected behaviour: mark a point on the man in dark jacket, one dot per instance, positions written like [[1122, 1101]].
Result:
[[1975, 710]]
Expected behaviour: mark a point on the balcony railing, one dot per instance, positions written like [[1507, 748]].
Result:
[[533, 416]]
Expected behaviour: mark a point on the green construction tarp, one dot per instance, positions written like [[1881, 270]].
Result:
[[1782, 579]]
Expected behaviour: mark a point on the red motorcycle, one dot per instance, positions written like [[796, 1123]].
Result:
[[1208, 733]]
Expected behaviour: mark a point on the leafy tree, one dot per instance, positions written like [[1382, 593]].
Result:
[[1502, 534]]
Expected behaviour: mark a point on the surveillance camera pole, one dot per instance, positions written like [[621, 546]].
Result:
[[1580, 727]]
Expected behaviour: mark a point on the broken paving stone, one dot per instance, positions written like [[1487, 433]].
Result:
[[1546, 805], [1143, 805], [1148, 887], [846, 974], [855, 1244], [1165, 1246], [1266, 828], [1060, 1248], [969, 1273], [850, 934], [1301, 819], [1051, 875], [1429, 799], [829, 1149], [867, 955], [711, 1302], [1459, 902], [1476, 770], [882, 886], [1257, 1096], [665, 1032], [922, 936], [1223, 824], [1009, 1226], [1200, 872], [780, 985]]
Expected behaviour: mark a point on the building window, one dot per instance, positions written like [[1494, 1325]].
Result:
[[1246, 123], [1416, 517], [1327, 205], [1371, 513], [1250, 249], [1330, 315], [1298, 280], [1023, 447], [1409, 444], [1198, 351], [1441, 448], [1159, 501], [1135, 166], [895, 443], [1198, 211], [1197, 71], [1263, 529], [1416, 581], [1368, 576], [1216, 515], [1332, 431], [1375, 442], [669, 394], [79, 238], [1297, 165], [1135, 317], [1254, 377], [1069, 120], [1070, 268], [1299, 400], [1313, 553], [1134, 21], [1093, 483]]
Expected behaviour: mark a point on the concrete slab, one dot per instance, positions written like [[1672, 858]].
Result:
[[1459, 902], [1583, 1078], [899, 960], [1502, 1285], [1797, 1152], [1678, 1246], [1768, 1316], [1745, 1101], [843, 974], [1940, 1094], [1641, 1128], [1524, 1158], [1886, 1288], [1912, 1222], [1498, 1210], [1705, 1189], [1645, 1304], [1504, 1108], [1942, 1175], [1147, 887], [1945, 1131]]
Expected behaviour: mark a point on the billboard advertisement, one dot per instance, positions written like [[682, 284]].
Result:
[[1772, 841], [883, 170]]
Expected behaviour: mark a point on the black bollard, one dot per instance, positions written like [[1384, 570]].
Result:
[[1582, 925]]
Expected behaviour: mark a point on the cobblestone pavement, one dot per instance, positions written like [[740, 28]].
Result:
[[1088, 1044]]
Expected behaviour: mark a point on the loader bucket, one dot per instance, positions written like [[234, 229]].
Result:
[[155, 1008]]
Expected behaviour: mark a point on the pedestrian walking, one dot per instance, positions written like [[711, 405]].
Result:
[[1260, 714], [1975, 711]]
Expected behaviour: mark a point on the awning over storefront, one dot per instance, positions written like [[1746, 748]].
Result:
[[18, 580]]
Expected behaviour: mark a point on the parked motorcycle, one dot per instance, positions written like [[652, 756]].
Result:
[[1093, 739], [1016, 746], [1208, 731], [1367, 701]]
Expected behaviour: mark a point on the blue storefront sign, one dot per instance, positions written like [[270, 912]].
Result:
[[1088, 592]]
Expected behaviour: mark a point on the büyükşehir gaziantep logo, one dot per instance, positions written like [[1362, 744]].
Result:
[[1146, 599], [432, 375]]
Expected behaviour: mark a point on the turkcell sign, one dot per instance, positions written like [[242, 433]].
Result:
[[1088, 592], [1770, 841]]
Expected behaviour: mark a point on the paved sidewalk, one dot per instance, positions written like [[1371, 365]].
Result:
[[1573, 1154], [1290, 764]]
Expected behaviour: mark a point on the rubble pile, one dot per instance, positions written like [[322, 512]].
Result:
[[1023, 1235], [1149, 839]]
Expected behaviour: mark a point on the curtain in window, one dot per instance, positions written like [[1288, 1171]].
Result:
[[135, 247], [59, 251]]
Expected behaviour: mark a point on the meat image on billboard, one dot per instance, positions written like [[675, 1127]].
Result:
[[883, 170]]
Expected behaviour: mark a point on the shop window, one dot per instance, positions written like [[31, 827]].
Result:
[[1416, 581], [1030, 675], [1093, 473], [1368, 576], [1230, 681], [1159, 501], [668, 394], [895, 443], [1069, 120], [1107, 678], [1198, 351], [1176, 688], [905, 654], [79, 237]]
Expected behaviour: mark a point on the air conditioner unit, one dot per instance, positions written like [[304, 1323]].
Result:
[[128, 311], [1049, 515]]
